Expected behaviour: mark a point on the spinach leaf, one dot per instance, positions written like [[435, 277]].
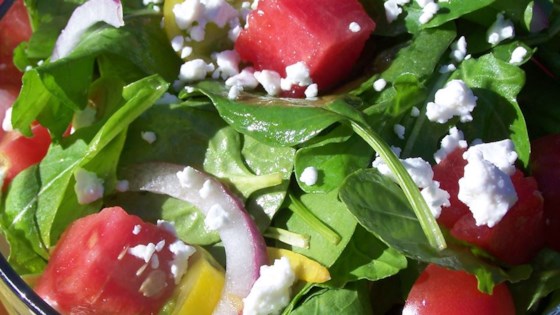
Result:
[[352, 300], [274, 121], [258, 172], [379, 206], [366, 257], [333, 213]]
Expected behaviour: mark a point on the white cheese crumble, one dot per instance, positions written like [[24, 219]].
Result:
[[393, 9], [487, 191], [447, 68], [216, 218], [270, 80], [122, 185], [88, 187], [311, 91], [177, 43], [354, 27], [180, 261], [399, 130], [428, 12], [296, 74], [415, 112], [187, 12], [271, 291], [500, 153], [195, 70], [245, 79], [436, 198], [379, 84], [149, 136], [422, 174], [309, 176], [518, 55], [136, 230], [500, 30], [144, 252], [228, 63], [459, 49], [454, 139], [7, 122], [455, 99]]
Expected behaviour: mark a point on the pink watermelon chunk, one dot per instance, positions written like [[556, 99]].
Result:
[[327, 35]]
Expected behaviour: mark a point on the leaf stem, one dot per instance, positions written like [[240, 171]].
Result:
[[287, 237], [412, 193], [300, 209]]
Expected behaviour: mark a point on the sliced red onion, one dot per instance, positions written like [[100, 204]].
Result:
[[83, 17], [243, 243]]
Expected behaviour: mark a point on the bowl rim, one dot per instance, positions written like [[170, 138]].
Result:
[[5, 6], [22, 290]]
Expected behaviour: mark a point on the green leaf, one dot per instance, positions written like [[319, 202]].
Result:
[[274, 121], [328, 209], [56, 200], [27, 252], [351, 300], [258, 172], [380, 206], [366, 257]]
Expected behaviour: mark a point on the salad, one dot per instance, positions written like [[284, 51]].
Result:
[[183, 156]]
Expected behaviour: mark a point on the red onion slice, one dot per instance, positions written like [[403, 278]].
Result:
[[83, 17], [243, 243]]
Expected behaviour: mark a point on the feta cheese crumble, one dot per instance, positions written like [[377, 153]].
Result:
[[296, 74], [393, 9], [500, 153], [399, 130], [216, 218], [271, 291], [270, 80], [354, 27], [436, 198], [180, 261], [149, 136], [454, 139], [455, 99], [500, 30], [195, 70], [7, 122], [88, 187], [309, 176], [459, 49], [486, 190], [379, 85], [428, 12], [518, 55], [415, 112]]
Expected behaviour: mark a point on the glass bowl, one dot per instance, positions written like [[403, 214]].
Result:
[[16, 296]]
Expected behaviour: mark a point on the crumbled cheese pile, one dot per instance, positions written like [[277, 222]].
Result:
[[502, 29], [454, 99], [88, 187], [271, 291], [486, 186]]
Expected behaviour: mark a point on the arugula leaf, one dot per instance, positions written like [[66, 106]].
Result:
[[27, 252]]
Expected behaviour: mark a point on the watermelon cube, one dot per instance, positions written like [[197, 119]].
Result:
[[328, 36], [112, 263]]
